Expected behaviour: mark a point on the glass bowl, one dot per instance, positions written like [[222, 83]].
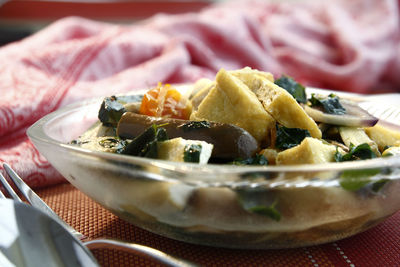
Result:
[[247, 207]]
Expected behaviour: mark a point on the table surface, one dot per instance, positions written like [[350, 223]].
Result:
[[379, 246]]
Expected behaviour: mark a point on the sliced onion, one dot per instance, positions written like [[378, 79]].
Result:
[[355, 115]]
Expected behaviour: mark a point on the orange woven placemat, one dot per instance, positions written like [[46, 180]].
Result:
[[379, 246]]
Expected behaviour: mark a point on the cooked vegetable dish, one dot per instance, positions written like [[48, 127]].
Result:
[[243, 117]]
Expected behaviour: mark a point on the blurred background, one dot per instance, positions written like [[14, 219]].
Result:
[[326, 44], [20, 18]]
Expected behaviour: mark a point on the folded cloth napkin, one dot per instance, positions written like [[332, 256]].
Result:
[[343, 45]]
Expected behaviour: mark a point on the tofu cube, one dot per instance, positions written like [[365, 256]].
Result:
[[270, 154], [174, 149], [282, 106], [309, 151], [231, 101], [383, 136], [252, 77]]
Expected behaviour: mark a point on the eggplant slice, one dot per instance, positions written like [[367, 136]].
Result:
[[230, 141]]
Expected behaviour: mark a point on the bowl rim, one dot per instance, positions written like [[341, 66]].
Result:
[[37, 133]]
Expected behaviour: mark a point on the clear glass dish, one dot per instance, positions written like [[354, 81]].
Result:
[[209, 204]]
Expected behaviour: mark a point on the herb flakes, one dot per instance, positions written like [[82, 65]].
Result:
[[145, 145], [112, 108], [192, 153], [330, 104], [362, 151], [260, 203], [113, 143], [195, 125], [297, 90], [289, 137], [258, 159], [269, 211], [354, 180]]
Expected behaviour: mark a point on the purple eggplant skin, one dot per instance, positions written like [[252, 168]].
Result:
[[230, 141]]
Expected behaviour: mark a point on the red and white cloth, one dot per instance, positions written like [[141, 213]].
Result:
[[342, 45]]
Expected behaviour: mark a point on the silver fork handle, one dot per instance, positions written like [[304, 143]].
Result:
[[35, 200], [142, 250]]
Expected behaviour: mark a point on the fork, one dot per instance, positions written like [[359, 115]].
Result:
[[37, 202]]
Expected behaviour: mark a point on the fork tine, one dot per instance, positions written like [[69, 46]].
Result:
[[2, 195], [26, 191], [9, 189], [35, 200]]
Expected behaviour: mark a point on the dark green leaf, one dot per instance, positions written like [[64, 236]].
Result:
[[194, 125], [386, 153], [192, 153], [112, 108], [114, 143], [338, 156], [379, 185], [269, 211], [258, 202], [78, 142], [362, 151], [330, 104], [289, 137], [255, 175], [353, 180], [145, 145], [386, 147], [258, 159], [294, 88]]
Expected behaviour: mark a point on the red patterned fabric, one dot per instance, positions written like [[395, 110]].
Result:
[[345, 45]]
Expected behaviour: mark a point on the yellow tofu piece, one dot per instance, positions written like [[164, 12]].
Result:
[[357, 136], [200, 95], [383, 136], [173, 149], [270, 154], [199, 85], [282, 106], [231, 101], [251, 77], [309, 151]]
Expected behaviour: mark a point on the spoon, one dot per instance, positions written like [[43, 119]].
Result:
[[30, 237]]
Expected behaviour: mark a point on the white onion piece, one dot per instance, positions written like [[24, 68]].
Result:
[[355, 115]]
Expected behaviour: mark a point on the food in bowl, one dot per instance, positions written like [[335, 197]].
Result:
[[237, 162], [244, 116]]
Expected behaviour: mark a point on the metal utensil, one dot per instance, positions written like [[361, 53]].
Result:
[[47, 212], [29, 237]]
